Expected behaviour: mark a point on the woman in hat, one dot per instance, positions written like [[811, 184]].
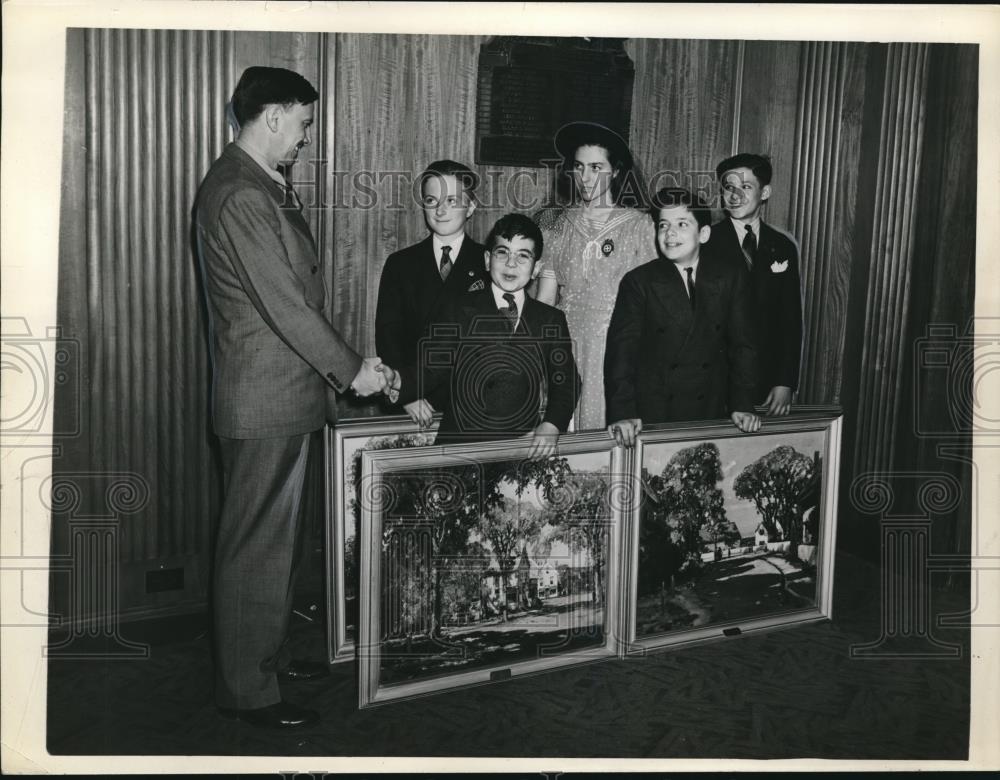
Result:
[[598, 233]]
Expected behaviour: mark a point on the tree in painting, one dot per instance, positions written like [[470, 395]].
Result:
[[774, 482], [508, 527], [451, 501], [577, 506], [691, 500]]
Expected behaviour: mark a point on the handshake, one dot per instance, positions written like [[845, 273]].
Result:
[[376, 377]]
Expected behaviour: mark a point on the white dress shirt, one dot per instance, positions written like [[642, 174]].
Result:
[[455, 244], [684, 276], [498, 294], [741, 228]]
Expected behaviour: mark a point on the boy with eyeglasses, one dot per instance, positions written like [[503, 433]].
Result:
[[418, 280], [493, 354]]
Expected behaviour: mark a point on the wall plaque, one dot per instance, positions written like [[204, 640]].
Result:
[[530, 87]]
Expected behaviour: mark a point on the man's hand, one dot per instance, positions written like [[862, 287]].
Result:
[[746, 421], [625, 431], [370, 379], [543, 441], [779, 401], [421, 412]]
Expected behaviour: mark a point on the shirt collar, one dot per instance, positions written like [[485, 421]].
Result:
[[273, 173], [741, 230], [455, 244], [501, 303], [683, 273]]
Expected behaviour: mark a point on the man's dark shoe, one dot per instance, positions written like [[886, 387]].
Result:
[[297, 671], [282, 715]]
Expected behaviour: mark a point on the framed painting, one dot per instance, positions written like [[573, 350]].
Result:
[[478, 565], [344, 445], [731, 533]]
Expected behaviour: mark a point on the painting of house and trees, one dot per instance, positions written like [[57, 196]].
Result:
[[727, 530], [491, 564]]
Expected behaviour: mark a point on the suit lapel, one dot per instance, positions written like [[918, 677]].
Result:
[[281, 199], [668, 287], [468, 267]]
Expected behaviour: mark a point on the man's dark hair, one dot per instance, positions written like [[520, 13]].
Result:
[[260, 86], [466, 177], [511, 225], [759, 165], [670, 197]]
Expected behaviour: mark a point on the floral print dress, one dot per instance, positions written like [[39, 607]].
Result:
[[589, 259]]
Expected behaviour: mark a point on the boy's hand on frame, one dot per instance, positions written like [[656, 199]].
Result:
[[544, 441], [624, 432], [746, 421], [779, 401], [421, 412]]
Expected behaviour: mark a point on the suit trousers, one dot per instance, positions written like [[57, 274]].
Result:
[[255, 555]]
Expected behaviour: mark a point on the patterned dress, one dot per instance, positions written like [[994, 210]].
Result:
[[589, 259]]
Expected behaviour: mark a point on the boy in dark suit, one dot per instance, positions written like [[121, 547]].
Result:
[[680, 343], [773, 260], [492, 354], [419, 279]]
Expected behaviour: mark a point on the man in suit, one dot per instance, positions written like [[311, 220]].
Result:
[[276, 364], [492, 354], [680, 343], [420, 279], [773, 260]]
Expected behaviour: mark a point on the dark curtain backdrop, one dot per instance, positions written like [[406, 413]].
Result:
[[874, 147]]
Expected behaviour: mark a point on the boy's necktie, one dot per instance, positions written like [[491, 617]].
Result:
[[445, 262], [690, 284], [510, 311], [750, 247]]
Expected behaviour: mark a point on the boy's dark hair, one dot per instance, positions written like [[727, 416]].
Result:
[[511, 225], [759, 165], [669, 197], [260, 86], [465, 176]]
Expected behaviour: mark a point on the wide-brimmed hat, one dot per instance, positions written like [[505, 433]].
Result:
[[573, 135]]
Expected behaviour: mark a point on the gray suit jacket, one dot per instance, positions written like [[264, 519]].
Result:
[[276, 360]]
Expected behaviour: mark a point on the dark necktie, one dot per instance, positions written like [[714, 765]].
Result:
[[690, 284], [445, 262], [510, 311], [750, 247], [291, 196]]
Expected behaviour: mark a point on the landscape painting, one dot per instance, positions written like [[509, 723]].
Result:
[[490, 565], [345, 444], [731, 532]]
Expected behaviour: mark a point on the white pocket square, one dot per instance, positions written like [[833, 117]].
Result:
[[779, 268], [478, 285]]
